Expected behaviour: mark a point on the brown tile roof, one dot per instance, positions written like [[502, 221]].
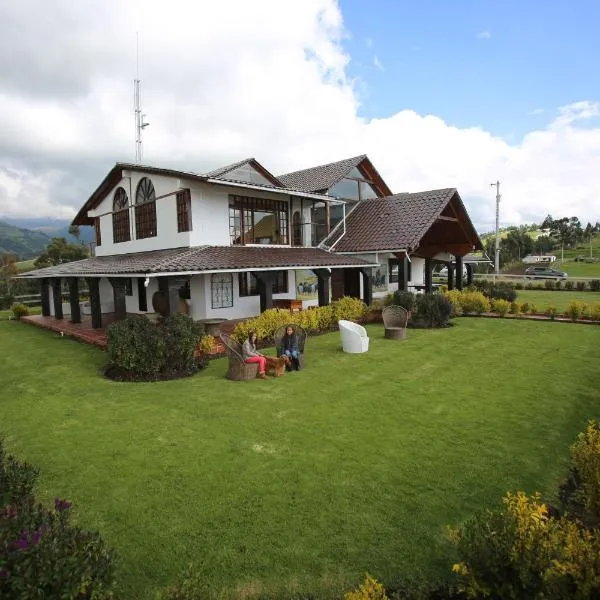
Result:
[[199, 259], [391, 223], [320, 178]]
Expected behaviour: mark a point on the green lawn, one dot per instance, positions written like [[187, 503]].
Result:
[[7, 314], [357, 463], [579, 269], [559, 299]]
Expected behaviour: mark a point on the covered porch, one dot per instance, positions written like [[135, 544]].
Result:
[[209, 283]]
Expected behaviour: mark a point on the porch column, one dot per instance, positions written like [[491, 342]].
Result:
[[94, 287], [459, 272], [171, 286], [323, 277], [469, 268], [367, 286], [57, 297], [45, 295], [450, 275], [265, 281], [118, 285], [403, 274], [142, 295], [74, 299], [428, 279]]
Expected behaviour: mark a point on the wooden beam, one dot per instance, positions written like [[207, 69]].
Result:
[[118, 286], [323, 277], [45, 295], [444, 218], [94, 287], [74, 300], [459, 273], [264, 283], [428, 274]]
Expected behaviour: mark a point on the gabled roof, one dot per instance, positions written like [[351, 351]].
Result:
[[323, 177], [200, 259], [115, 175], [397, 222], [221, 172]]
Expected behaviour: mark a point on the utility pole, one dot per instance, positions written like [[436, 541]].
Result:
[[497, 254]]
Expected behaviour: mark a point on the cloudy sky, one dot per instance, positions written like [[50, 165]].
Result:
[[437, 95]]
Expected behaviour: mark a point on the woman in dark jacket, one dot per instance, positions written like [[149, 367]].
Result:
[[290, 347]]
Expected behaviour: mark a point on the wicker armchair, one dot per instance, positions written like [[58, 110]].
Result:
[[301, 335], [238, 369], [395, 319]]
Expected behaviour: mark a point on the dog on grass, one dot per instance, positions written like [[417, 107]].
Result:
[[276, 366]]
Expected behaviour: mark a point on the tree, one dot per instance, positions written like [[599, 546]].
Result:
[[74, 231], [59, 251]]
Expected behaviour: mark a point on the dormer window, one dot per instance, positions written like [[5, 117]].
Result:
[[120, 217], [145, 209], [354, 186]]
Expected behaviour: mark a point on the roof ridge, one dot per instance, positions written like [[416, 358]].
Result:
[[329, 164]]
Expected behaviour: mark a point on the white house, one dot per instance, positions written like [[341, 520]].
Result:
[[237, 240]]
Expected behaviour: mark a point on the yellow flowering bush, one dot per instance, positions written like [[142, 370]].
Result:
[[576, 309], [522, 552], [320, 318], [455, 299], [585, 456], [594, 312], [467, 301], [501, 307], [370, 589]]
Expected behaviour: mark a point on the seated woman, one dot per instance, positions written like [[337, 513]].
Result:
[[290, 348], [251, 355]]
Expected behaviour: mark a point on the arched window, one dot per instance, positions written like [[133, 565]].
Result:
[[120, 216], [145, 209], [297, 229]]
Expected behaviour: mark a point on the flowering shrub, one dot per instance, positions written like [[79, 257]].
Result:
[[370, 589], [454, 297], [19, 310], [585, 458], [575, 310], [522, 552], [407, 300], [41, 554], [501, 307], [551, 312], [594, 312], [433, 310], [207, 344], [316, 319], [474, 302], [515, 309]]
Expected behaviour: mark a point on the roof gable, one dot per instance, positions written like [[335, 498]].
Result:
[[402, 222], [248, 170], [324, 177]]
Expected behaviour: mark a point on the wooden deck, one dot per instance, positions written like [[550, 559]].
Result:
[[81, 331], [84, 331]]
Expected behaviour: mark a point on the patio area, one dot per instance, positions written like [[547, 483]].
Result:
[[84, 332]]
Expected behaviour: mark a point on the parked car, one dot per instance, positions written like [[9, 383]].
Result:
[[544, 273]]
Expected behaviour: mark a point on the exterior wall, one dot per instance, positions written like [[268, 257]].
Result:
[[210, 215], [107, 301], [166, 217], [132, 302], [243, 307]]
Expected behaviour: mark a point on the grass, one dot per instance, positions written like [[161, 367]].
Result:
[[25, 265], [302, 483], [579, 269], [560, 299], [7, 314]]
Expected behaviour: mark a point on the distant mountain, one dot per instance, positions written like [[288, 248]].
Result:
[[20, 241], [51, 227]]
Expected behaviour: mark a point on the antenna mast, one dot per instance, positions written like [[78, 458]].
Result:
[[140, 125]]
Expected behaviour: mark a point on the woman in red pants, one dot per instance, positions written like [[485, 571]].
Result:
[[251, 355]]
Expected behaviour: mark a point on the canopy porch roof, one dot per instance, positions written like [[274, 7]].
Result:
[[201, 259]]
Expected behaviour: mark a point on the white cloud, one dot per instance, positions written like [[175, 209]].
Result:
[[484, 35], [378, 64], [220, 82]]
